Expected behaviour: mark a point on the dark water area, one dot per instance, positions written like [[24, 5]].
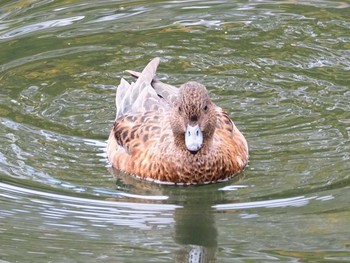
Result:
[[281, 70]]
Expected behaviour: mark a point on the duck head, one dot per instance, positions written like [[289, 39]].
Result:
[[193, 118]]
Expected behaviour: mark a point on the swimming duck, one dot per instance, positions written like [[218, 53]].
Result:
[[173, 135]]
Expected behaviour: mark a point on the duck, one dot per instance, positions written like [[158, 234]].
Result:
[[172, 135]]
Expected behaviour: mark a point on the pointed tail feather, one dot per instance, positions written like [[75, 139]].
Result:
[[166, 91], [149, 72]]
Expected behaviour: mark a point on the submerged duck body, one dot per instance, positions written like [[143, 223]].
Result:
[[173, 135]]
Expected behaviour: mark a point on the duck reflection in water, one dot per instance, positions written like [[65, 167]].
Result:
[[194, 227]]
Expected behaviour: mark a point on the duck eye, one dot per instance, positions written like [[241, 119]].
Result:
[[180, 109], [205, 108]]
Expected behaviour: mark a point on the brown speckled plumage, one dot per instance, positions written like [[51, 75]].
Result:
[[148, 136]]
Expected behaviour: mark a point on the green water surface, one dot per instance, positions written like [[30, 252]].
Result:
[[281, 70]]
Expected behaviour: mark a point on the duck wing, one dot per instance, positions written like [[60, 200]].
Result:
[[168, 92], [139, 96]]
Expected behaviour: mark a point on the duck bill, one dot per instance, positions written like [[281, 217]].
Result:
[[193, 138]]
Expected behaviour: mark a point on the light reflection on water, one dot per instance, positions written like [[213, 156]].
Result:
[[40, 26], [285, 202], [280, 69]]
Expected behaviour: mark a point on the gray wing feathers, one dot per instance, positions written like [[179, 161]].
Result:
[[166, 91], [139, 96], [122, 100]]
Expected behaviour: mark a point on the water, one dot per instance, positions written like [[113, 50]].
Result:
[[281, 70]]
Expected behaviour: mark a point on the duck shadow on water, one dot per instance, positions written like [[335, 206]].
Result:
[[195, 228]]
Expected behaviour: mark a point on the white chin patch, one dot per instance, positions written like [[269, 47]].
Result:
[[193, 138]]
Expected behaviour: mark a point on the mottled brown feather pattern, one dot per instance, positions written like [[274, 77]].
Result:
[[149, 142]]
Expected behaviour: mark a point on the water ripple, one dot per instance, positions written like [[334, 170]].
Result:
[[286, 202], [27, 29], [49, 55], [82, 202]]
